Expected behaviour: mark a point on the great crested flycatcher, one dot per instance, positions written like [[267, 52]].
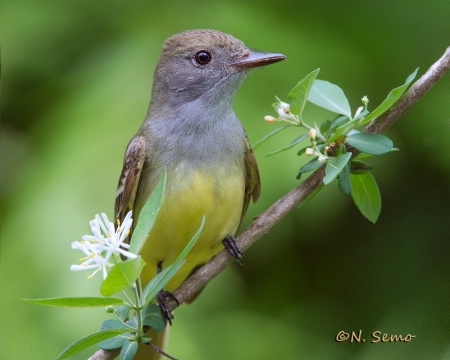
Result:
[[192, 131]]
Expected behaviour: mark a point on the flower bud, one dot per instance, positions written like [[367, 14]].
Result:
[[309, 151], [283, 109], [365, 100], [312, 133], [359, 110], [269, 119], [322, 158]]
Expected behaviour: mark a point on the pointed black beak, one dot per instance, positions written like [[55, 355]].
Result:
[[257, 59]]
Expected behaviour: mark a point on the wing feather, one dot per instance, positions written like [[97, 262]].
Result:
[[129, 178], [252, 179]]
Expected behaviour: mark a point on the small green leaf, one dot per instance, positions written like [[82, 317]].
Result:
[[310, 166], [362, 156], [77, 301], [344, 182], [114, 342], [292, 144], [122, 276], [122, 311], [152, 317], [88, 341], [160, 280], [272, 133], [375, 144], [338, 121], [329, 96], [335, 166], [148, 215], [366, 195], [358, 167], [129, 350], [299, 94], [391, 99]]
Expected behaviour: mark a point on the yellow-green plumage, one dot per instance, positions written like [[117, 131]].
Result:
[[218, 195]]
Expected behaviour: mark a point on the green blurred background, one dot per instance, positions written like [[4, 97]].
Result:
[[76, 85]]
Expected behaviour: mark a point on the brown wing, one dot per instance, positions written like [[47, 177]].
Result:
[[129, 178], [252, 180]]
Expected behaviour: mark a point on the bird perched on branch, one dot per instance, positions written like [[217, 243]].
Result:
[[192, 131]]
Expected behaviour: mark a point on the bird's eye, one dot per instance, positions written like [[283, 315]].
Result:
[[202, 57]]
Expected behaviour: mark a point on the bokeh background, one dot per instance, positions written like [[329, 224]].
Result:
[[76, 84]]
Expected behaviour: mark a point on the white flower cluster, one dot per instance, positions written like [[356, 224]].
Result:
[[105, 242]]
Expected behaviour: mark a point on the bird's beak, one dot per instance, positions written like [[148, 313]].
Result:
[[257, 59]]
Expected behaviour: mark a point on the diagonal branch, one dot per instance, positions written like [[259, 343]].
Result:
[[273, 215], [268, 219]]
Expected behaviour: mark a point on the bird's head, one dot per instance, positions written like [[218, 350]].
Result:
[[204, 63]]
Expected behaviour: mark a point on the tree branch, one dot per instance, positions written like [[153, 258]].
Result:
[[273, 215]]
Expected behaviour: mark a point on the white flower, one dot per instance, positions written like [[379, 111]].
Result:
[[105, 242], [365, 100], [93, 260], [284, 110], [322, 158]]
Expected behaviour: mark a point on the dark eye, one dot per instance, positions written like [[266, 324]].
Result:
[[202, 57]]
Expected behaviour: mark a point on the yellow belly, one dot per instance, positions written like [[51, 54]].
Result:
[[218, 195]]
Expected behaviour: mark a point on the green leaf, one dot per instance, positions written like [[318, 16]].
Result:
[[338, 121], [299, 94], [362, 156], [391, 99], [292, 144], [335, 166], [272, 133], [344, 182], [129, 350], [358, 167], [148, 215], [89, 340], [310, 166], [122, 276], [152, 317], [329, 96], [366, 195], [77, 301], [160, 280], [114, 342], [375, 144], [122, 311]]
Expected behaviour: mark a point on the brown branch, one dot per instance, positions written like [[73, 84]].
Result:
[[268, 219], [273, 215], [414, 93]]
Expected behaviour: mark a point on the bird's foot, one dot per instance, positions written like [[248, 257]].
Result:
[[230, 244], [161, 298]]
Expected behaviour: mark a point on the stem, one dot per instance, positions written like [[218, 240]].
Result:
[[138, 310]]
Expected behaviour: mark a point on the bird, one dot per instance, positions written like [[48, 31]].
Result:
[[192, 133]]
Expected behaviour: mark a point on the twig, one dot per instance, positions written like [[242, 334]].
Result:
[[414, 93], [160, 351], [273, 215]]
